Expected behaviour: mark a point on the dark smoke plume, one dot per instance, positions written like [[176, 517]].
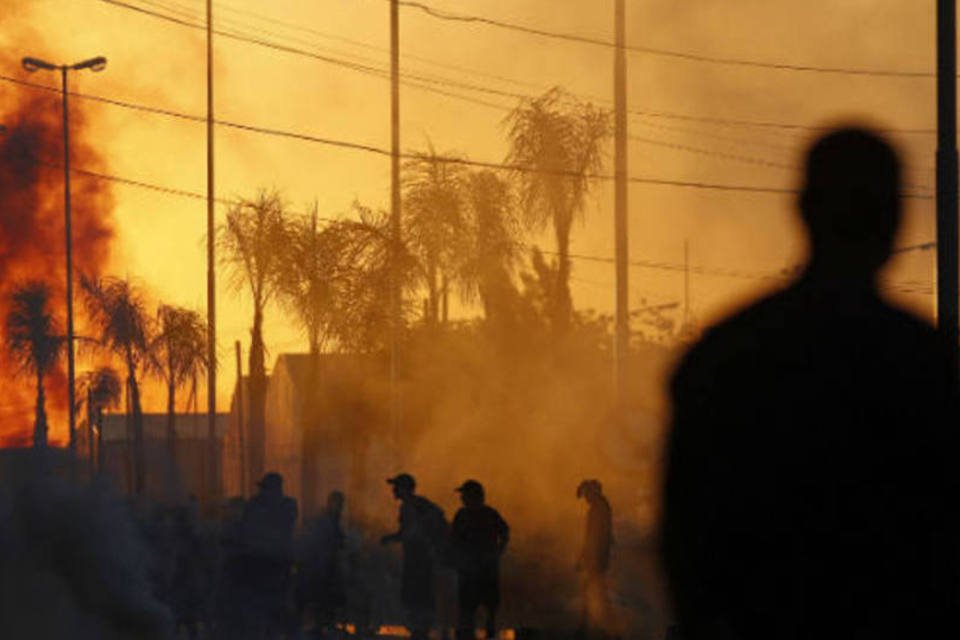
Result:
[[32, 229]]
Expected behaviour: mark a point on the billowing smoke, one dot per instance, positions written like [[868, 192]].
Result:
[[32, 229], [74, 565]]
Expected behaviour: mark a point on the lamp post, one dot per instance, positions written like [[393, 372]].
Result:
[[93, 64]]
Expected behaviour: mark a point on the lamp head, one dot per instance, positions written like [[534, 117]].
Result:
[[94, 64], [35, 64]]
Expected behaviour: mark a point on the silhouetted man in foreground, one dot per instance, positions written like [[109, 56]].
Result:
[[422, 530], [811, 487], [594, 559], [478, 536]]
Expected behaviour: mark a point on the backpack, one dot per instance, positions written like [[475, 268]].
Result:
[[434, 525]]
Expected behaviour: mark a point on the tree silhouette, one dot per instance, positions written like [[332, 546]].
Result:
[[310, 274], [34, 340], [435, 226], [556, 144], [118, 312], [251, 242], [493, 235], [100, 390], [361, 315], [179, 355]]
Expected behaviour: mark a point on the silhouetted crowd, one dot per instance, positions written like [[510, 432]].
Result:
[[253, 578]]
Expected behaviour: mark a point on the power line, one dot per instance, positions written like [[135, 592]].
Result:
[[454, 17], [716, 154], [365, 67], [646, 264], [702, 185]]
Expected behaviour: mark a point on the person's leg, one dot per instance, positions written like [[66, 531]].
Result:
[[491, 602], [467, 602]]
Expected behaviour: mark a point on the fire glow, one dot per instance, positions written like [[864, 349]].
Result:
[[32, 233]]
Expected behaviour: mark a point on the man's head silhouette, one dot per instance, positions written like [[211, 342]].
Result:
[[850, 203]]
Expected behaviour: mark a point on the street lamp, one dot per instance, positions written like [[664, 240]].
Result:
[[93, 64]]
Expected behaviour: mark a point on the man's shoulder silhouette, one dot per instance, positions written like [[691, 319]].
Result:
[[811, 483]]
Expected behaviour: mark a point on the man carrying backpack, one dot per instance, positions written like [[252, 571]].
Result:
[[423, 531]]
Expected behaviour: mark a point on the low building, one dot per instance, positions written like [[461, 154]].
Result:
[[326, 429], [185, 475]]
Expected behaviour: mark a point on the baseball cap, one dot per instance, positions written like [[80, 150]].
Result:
[[470, 486], [402, 480]]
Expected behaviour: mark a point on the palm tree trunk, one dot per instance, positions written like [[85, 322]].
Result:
[[445, 292], [40, 422], [434, 293], [171, 424], [258, 397], [562, 302], [90, 419], [128, 437], [312, 445], [100, 455], [139, 457]]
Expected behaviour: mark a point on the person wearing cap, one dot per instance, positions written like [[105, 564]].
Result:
[[478, 538], [267, 539], [422, 532], [594, 559]]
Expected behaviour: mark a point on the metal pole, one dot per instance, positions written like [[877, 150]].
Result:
[[211, 273], [686, 282], [620, 199], [947, 275], [68, 230], [395, 293]]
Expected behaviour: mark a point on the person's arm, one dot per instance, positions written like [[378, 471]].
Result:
[[392, 537], [397, 536], [503, 537]]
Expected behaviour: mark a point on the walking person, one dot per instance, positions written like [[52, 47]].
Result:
[[479, 536], [594, 559], [422, 531]]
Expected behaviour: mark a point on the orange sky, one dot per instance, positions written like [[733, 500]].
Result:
[[157, 63]]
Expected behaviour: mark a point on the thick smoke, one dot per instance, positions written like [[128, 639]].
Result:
[[73, 565], [32, 229]]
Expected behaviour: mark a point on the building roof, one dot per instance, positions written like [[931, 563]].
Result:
[[189, 426], [340, 365]]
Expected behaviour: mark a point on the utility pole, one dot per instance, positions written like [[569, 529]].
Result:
[[395, 232], [68, 229], [620, 199], [947, 275], [686, 282], [211, 276]]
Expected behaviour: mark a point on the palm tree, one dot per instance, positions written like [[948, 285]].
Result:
[[360, 320], [556, 145], [494, 244], [34, 340], [434, 222], [310, 275], [251, 247], [100, 390], [179, 355], [117, 309]]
